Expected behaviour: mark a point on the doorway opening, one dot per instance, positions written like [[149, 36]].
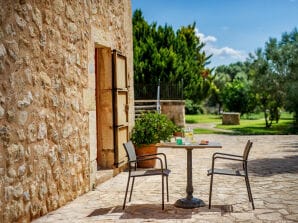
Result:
[[112, 108], [104, 108]]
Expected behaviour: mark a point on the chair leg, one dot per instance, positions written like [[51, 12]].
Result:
[[128, 180], [210, 191], [247, 187], [249, 192], [167, 182], [133, 181], [162, 192]]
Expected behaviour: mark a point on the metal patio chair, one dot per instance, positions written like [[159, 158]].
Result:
[[134, 171], [242, 172]]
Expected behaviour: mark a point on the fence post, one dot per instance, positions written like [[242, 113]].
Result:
[[182, 88], [158, 97]]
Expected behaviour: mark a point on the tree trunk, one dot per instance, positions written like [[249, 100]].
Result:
[[268, 125]]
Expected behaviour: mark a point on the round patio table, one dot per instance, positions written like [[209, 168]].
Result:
[[189, 201]]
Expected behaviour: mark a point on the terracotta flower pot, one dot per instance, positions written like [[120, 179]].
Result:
[[178, 134], [144, 150]]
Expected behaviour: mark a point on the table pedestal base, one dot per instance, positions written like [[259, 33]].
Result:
[[189, 203]]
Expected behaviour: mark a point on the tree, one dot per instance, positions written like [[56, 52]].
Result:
[[284, 57], [237, 97], [233, 88], [219, 82], [276, 76], [267, 87], [162, 54]]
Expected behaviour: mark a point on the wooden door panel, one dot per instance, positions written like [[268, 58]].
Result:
[[120, 98], [122, 137], [122, 117], [104, 107], [121, 80]]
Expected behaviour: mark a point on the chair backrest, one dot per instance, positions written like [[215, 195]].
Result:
[[247, 149], [130, 150]]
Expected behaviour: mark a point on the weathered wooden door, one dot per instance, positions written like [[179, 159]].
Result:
[[104, 107], [120, 107]]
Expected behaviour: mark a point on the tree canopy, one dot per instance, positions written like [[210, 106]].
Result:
[[276, 76], [162, 54], [267, 80]]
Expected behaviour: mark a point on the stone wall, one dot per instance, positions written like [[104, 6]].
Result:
[[45, 52], [231, 118], [111, 28], [175, 110]]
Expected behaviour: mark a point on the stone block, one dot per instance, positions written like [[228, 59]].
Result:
[[231, 118], [175, 111]]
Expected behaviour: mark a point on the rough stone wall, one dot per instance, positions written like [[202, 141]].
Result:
[[175, 110], [231, 118], [111, 28], [44, 126]]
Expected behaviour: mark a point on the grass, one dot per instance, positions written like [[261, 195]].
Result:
[[206, 131], [249, 125], [203, 119]]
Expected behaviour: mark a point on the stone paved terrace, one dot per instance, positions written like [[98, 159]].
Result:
[[273, 168]]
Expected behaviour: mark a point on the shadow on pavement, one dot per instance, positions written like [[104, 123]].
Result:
[[271, 166], [290, 144], [149, 211]]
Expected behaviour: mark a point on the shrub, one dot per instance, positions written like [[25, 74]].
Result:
[[151, 128]]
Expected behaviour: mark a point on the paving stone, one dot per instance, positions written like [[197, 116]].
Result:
[[283, 212], [293, 217], [273, 176], [243, 216], [270, 216]]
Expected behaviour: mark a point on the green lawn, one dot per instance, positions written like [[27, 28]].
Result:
[[249, 125], [203, 119]]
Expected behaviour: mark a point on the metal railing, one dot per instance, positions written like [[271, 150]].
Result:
[[168, 91]]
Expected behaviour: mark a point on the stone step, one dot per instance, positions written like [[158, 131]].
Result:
[[144, 106], [103, 175]]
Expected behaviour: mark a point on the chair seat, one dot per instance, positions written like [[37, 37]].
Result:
[[150, 172], [227, 172]]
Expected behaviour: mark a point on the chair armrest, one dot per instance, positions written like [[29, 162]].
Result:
[[226, 158], [153, 155], [225, 154], [150, 158]]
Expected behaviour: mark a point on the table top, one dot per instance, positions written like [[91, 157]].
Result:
[[194, 145]]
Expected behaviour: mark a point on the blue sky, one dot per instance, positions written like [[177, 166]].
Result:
[[231, 29]]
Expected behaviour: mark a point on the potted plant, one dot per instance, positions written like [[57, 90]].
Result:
[[178, 131], [150, 128]]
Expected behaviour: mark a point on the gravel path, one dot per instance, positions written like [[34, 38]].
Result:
[[209, 126]]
